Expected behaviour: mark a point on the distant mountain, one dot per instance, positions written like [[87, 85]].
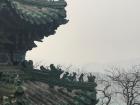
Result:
[[100, 67], [94, 67]]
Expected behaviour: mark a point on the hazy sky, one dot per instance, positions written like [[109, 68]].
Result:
[[99, 31]]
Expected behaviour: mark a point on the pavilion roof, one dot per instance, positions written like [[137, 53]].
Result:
[[39, 11], [30, 20]]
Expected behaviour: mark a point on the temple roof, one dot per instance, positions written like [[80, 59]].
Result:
[[41, 94], [46, 86], [26, 21], [40, 11]]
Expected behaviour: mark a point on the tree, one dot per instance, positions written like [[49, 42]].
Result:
[[127, 83], [107, 96], [104, 90]]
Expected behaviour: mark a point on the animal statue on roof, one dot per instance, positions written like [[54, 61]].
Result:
[[24, 21]]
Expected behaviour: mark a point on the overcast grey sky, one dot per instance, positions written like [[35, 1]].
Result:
[[99, 31]]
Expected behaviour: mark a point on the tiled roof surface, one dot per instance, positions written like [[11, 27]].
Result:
[[40, 11], [41, 94]]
